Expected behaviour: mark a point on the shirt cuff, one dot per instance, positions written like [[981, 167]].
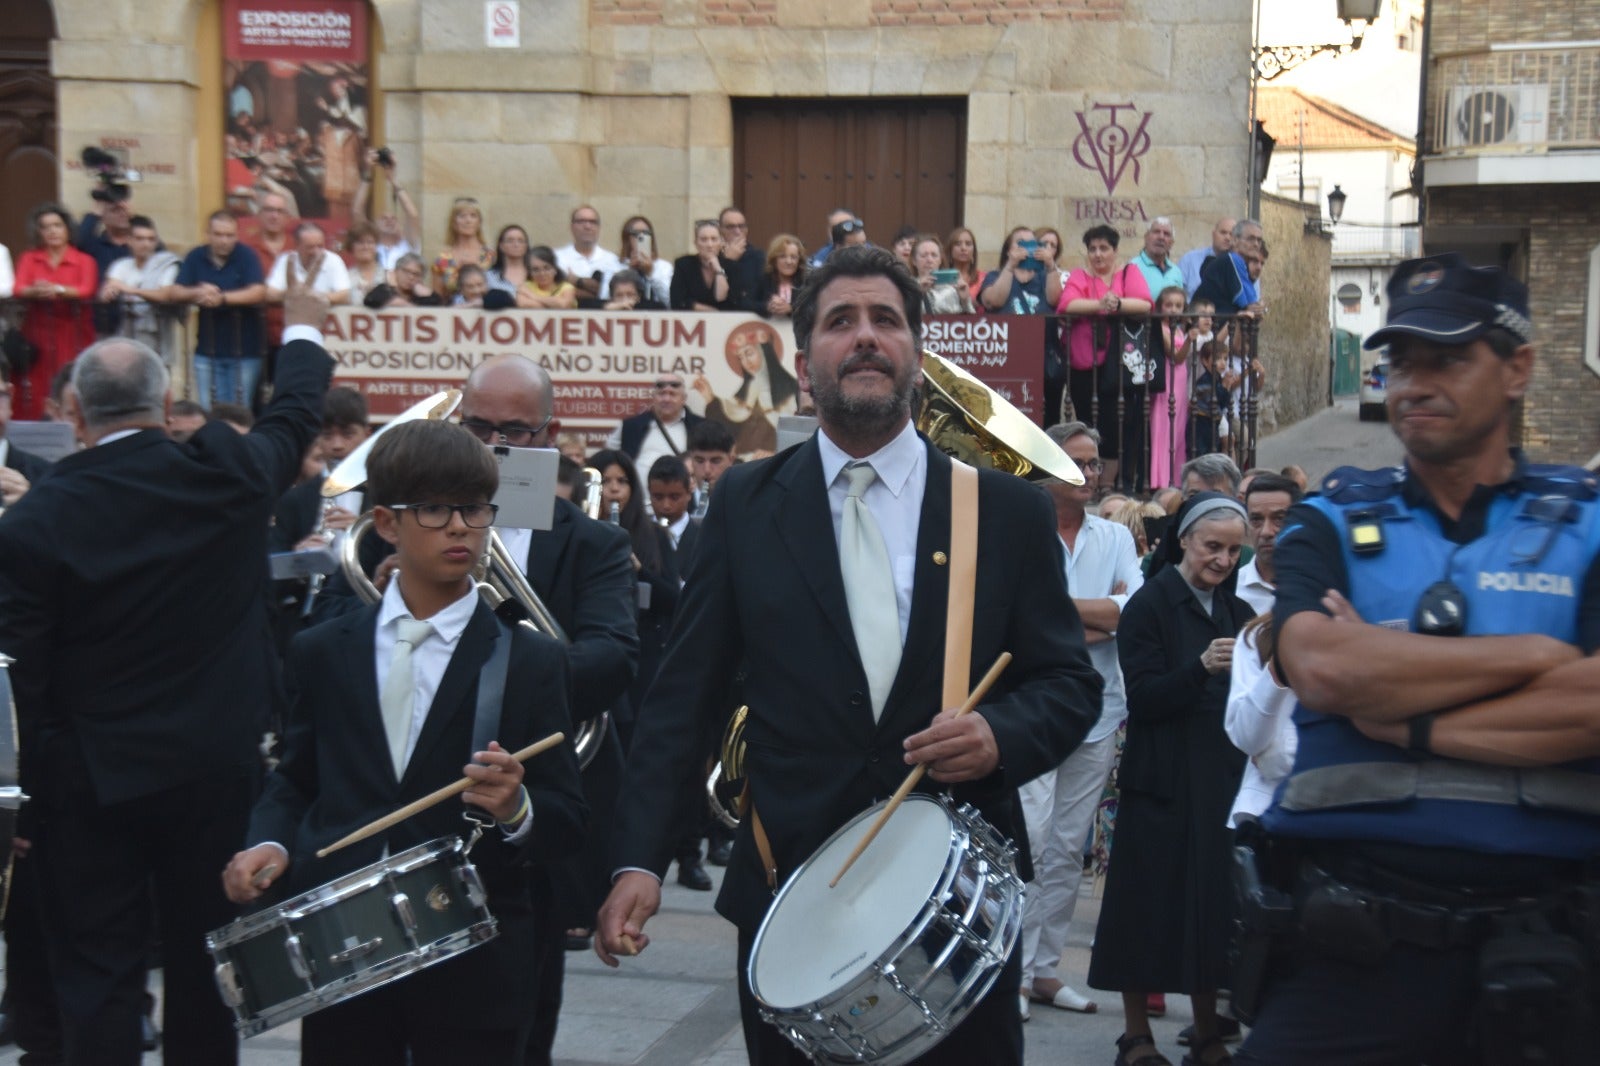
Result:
[[520, 833], [303, 332], [275, 844], [619, 871]]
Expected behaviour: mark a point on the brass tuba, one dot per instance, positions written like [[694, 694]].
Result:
[[499, 579], [969, 421]]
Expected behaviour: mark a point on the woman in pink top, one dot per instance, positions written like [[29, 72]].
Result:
[[1108, 303]]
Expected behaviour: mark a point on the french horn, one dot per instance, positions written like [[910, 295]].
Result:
[[968, 421], [499, 579]]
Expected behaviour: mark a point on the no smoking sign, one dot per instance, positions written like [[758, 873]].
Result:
[[502, 24]]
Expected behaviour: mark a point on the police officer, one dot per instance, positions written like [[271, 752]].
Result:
[[1437, 841]]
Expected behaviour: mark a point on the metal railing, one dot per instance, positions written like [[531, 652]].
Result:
[[1513, 100], [1376, 242], [1154, 428]]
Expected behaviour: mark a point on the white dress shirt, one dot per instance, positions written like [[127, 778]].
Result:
[[1260, 722], [895, 500], [577, 265], [1254, 589], [428, 658], [675, 529], [1105, 555]]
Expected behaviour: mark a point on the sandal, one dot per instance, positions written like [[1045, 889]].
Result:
[[1126, 1045], [1197, 1053]]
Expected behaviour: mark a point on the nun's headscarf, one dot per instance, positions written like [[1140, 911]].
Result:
[[1196, 507]]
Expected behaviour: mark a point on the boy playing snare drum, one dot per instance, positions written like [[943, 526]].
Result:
[[362, 742]]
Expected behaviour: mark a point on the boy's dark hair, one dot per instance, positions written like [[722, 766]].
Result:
[[568, 473], [711, 436], [855, 261], [141, 222], [1270, 482], [430, 462], [232, 413], [344, 406], [669, 468], [185, 408]]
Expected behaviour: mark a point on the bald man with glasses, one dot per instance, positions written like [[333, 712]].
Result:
[[662, 428]]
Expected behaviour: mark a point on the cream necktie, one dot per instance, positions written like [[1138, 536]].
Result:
[[399, 689], [869, 588]]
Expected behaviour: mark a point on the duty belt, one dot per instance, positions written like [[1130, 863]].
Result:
[[1358, 784], [1425, 925]]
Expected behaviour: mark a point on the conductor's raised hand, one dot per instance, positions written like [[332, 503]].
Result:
[[496, 782], [301, 305], [955, 749], [634, 900], [252, 871]]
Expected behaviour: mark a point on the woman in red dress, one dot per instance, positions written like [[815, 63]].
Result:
[[59, 283]]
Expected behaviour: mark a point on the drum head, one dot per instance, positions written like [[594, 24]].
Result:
[[817, 939]]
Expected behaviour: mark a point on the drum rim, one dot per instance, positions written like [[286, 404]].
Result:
[[338, 890], [914, 928], [361, 982]]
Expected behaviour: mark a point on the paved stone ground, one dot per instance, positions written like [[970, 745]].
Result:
[[676, 1005]]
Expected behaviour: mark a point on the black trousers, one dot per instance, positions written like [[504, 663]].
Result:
[[990, 1035], [30, 994], [377, 1029], [98, 866]]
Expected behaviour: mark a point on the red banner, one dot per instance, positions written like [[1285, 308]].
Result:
[[330, 31], [295, 100], [1005, 352]]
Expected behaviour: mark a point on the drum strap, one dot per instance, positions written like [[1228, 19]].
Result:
[[491, 692], [958, 629], [963, 584]]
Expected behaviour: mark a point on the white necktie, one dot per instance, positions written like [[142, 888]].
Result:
[[399, 689], [869, 588]]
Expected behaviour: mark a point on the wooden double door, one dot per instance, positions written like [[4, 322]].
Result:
[[893, 162]]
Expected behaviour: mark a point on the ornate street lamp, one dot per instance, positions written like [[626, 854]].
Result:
[[1271, 60], [1336, 200]]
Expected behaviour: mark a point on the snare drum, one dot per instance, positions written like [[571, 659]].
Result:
[[881, 968], [370, 927]]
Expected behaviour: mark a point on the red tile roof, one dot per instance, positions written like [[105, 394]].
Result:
[[1327, 125]]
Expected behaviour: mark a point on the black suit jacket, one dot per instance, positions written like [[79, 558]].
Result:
[[30, 466], [765, 603], [131, 583], [336, 776]]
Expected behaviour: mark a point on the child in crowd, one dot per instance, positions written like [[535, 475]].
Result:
[[1169, 392], [363, 742], [1208, 404]]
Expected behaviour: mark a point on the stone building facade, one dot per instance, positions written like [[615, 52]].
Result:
[[1075, 110]]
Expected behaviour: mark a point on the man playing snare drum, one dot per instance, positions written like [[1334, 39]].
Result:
[[839, 643]]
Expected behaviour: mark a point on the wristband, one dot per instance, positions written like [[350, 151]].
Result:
[[521, 813], [1419, 732]]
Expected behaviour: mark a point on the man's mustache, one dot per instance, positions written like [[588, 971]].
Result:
[[866, 361]]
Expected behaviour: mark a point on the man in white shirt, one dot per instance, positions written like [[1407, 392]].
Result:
[[661, 429], [588, 265], [325, 274], [1102, 566], [1267, 500]]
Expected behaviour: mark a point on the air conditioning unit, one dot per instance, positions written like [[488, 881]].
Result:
[[1486, 116]]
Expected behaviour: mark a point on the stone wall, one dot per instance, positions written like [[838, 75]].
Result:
[[627, 104], [1559, 419], [1295, 332]]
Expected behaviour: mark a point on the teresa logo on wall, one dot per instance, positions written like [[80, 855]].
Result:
[[1112, 141], [296, 88]]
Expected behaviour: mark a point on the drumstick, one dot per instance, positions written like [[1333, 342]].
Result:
[[264, 876], [432, 799], [915, 775]]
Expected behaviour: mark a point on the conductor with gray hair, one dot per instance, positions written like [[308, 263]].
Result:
[[131, 585]]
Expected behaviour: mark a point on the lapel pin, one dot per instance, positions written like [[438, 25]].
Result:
[[940, 558]]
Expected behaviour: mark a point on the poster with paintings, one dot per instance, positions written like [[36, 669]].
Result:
[[296, 91]]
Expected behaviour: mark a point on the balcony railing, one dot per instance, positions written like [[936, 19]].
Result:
[[1514, 100], [1376, 242]]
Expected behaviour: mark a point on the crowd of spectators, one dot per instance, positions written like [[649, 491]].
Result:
[[1140, 347]]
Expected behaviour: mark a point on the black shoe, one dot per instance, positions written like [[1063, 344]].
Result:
[[692, 875], [150, 1036], [1227, 1032], [719, 853]]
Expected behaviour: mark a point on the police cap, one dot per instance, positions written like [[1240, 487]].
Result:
[[1445, 299]]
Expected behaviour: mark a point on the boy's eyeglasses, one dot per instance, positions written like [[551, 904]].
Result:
[[437, 515]]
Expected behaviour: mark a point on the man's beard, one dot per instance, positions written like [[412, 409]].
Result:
[[865, 415]]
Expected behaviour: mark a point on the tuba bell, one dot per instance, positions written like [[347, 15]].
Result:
[[500, 582], [968, 421]]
